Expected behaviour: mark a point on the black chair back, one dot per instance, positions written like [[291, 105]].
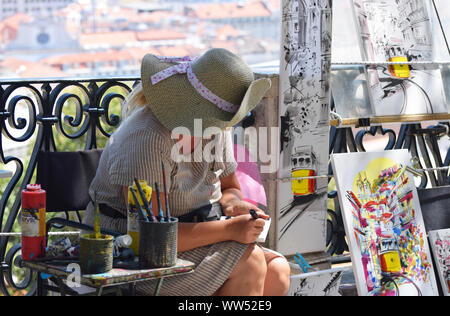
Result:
[[66, 177]]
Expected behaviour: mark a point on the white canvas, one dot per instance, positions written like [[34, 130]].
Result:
[[399, 31], [319, 283], [304, 121], [384, 224], [440, 246]]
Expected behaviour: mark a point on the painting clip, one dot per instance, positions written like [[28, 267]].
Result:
[[304, 265], [414, 171]]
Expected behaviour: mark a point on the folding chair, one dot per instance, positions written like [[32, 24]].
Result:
[[66, 177]]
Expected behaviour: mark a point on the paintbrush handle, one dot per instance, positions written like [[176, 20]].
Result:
[[144, 199], [138, 206], [166, 196], [158, 199], [97, 233]]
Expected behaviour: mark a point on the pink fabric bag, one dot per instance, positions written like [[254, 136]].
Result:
[[249, 177]]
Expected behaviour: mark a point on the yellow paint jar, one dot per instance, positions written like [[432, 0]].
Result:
[[133, 216]]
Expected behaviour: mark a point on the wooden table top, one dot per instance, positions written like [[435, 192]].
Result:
[[116, 276]]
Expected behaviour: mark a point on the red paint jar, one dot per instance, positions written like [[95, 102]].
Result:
[[33, 222]]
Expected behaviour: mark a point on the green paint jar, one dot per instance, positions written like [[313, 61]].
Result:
[[96, 255]]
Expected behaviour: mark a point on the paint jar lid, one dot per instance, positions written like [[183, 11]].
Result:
[[34, 187]]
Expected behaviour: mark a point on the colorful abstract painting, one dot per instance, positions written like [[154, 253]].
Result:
[[384, 224], [440, 245], [399, 31]]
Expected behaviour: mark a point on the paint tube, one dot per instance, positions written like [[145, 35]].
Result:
[[73, 252], [57, 248], [120, 243], [123, 241]]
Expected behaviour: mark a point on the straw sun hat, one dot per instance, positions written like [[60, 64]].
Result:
[[218, 88]]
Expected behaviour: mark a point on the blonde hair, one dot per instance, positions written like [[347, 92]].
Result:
[[135, 100]]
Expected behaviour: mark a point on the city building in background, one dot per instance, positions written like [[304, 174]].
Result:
[[72, 38], [75, 38], [35, 7]]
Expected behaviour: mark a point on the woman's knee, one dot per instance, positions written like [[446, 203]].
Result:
[[278, 275], [248, 276], [252, 263]]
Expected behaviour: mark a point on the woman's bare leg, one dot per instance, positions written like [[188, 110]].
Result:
[[247, 278], [278, 275]]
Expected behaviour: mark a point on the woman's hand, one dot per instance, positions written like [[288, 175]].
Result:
[[238, 208], [245, 229]]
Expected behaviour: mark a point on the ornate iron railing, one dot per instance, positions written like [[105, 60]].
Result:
[[79, 111], [85, 112]]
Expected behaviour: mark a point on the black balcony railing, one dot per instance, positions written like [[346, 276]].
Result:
[[49, 115], [61, 115]]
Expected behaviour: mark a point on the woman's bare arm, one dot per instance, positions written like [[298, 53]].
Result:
[[232, 200], [195, 235], [231, 191], [243, 229]]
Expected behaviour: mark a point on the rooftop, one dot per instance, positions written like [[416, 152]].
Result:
[[231, 10], [108, 38], [157, 34], [27, 69]]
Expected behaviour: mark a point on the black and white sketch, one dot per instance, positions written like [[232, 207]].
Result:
[[440, 246], [320, 283], [304, 121], [399, 31]]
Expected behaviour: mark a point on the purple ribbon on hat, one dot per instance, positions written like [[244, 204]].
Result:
[[185, 67]]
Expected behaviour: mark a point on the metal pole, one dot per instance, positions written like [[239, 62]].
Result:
[[442, 27]]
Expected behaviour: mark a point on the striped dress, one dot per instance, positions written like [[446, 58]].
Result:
[[136, 150]]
